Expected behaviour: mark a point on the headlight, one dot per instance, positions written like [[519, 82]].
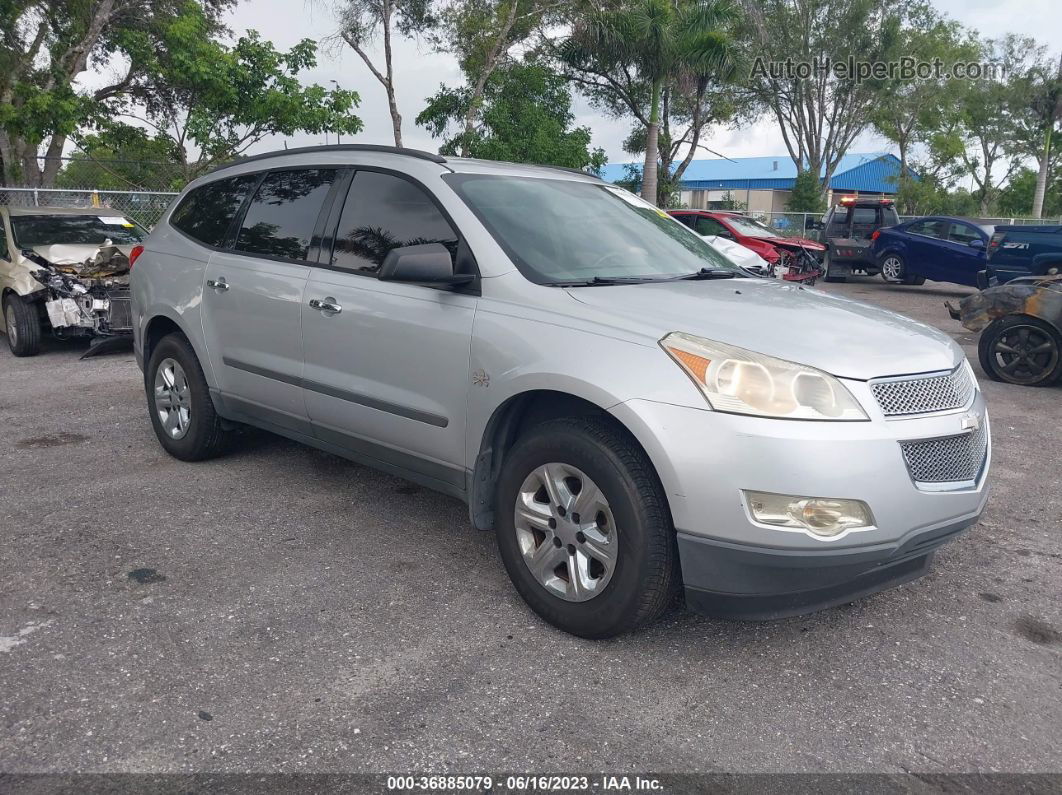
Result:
[[743, 382]]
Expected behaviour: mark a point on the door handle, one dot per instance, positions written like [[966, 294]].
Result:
[[327, 305], [220, 284]]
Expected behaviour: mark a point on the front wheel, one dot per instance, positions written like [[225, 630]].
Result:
[[22, 325], [179, 404], [1023, 350], [584, 530]]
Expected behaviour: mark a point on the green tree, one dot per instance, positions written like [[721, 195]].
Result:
[[1018, 196], [362, 21], [213, 101], [123, 158], [46, 46], [526, 118], [1038, 108], [791, 46], [807, 195], [634, 52], [910, 112], [482, 34]]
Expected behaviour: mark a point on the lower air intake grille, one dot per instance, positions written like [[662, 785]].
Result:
[[120, 317], [948, 459]]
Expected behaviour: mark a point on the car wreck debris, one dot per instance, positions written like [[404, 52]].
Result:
[[1037, 296], [85, 296]]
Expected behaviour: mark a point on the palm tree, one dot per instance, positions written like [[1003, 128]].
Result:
[[659, 40]]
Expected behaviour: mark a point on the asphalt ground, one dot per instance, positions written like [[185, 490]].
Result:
[[281, 609]]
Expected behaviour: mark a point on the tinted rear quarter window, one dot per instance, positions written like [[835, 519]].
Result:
[[283, 213], [383, 212], [207, 212]]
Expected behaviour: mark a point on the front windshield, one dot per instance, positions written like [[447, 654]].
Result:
[[751, 228], [561, 231], [47, 230]]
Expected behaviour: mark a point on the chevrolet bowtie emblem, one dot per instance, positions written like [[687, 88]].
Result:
[[971, 422]]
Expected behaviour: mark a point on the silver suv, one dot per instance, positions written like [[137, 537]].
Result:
[[628, 411]]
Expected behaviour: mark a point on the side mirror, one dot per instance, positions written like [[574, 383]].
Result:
[[428, 263], [976, 243]]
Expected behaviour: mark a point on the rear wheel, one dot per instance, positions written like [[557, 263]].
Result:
[[894, 271], [22, 325], [584, 530], [1020, 349], [179, 404]]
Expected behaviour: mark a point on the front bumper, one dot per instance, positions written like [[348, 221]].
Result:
[[734, 566]]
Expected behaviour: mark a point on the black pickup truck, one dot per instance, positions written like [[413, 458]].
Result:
[[1017, 251]]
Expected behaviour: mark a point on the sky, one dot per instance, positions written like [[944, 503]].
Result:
[[419, 72]]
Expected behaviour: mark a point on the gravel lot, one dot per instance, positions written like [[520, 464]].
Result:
[[285, 610]]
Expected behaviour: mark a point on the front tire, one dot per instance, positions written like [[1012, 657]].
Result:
[[179, 403], [1020, 349], [584, 529], [22, 325]]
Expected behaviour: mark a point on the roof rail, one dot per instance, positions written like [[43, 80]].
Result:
[[302, 150], [572, 170]]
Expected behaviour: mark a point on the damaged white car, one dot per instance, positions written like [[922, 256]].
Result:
[[66, 272]]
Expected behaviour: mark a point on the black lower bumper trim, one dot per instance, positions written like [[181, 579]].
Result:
[[757, 583], [767, 607]]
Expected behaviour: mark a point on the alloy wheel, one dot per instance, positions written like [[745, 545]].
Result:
[[1025, 354], [173, 399], [892, 269], [566, 532]]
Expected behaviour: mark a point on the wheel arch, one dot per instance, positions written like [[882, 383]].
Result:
[[160, 325], [509, 421]]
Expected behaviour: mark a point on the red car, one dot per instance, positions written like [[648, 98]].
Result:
[[750, 233]]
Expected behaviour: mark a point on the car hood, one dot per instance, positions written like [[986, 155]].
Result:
[[793, 241], [842, 337], [74, 253]]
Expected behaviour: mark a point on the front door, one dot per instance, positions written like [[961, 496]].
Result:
[[967, 253], [386, 364], [252, 299]]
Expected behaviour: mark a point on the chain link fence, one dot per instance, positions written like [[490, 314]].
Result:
[[143, 206], [797, 224]]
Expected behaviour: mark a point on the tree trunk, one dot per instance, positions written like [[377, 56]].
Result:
[[649, 179], [1041, 176], [488, 68], [392, 104], [396, 117]]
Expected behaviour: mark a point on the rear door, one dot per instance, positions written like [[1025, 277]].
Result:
[[252, 300], [386, 371]]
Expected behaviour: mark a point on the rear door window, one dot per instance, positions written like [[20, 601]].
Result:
[[383, 212], [281, 217], [710, 226], [207, 212]]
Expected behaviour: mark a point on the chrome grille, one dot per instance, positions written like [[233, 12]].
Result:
[[948, 459], [924, 394]]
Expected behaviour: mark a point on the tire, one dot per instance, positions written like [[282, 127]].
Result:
[[1021, 334], [639, 581], [22, 325], [894, 271], [192, 430], [826, 272]]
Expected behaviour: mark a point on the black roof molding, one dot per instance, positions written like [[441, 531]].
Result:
[[303, 150]]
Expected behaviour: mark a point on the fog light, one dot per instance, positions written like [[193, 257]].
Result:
[[821, 516]]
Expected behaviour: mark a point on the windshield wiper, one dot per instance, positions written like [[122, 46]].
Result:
[[605, 280], [708, 273]]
